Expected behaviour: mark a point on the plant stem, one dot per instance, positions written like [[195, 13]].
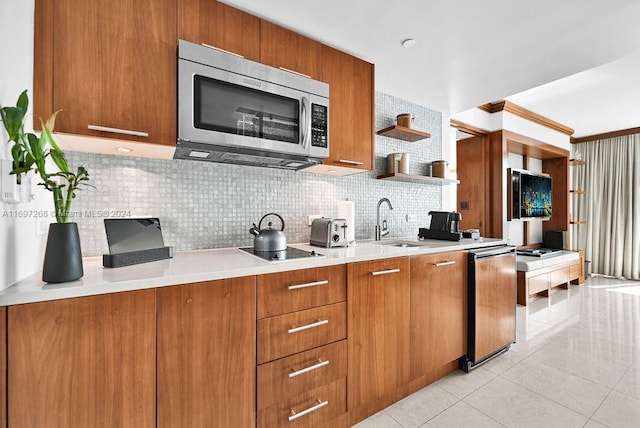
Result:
[[61, 217]]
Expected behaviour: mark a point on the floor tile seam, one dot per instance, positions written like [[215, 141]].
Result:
[[444, 410], [483, 413], [548, 398], [618, 383], [391, 416], [597, 361], [580, 376], [593, 420], [598, 408], [474, 390]]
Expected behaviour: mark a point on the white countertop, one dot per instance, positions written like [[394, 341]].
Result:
[[207, 265]]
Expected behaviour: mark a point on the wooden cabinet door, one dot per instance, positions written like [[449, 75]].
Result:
[[83, 362], [351, 109], [472, 198], [495, 305], [378, 329], [112, 64], [282, 48], [216, 24], [3, 367], [206, 354], [438, 311]]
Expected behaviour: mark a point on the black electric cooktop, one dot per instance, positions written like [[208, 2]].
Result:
[[288, 254]]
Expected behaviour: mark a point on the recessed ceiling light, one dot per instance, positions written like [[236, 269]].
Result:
[[124, 149], [408, 43], [332, 171]]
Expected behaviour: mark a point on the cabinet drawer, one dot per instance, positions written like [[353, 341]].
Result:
[[298, 331], [559, 277], [575, 271], [313, 408], [289, 377], [284, 292], [538, 283]]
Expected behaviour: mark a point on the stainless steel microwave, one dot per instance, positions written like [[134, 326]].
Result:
[[238, 111]]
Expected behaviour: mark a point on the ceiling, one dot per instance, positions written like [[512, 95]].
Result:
[[571, 61]]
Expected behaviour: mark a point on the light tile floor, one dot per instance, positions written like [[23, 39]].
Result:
[[575, 363]]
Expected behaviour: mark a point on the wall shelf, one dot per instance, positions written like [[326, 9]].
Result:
[[577, 192], [423, 178], [404, 133], [578, 222], [577, 162]]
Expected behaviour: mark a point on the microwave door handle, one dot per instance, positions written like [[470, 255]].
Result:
[[305, 122]]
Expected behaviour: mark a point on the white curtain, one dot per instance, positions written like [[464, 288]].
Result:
[[610, 206]]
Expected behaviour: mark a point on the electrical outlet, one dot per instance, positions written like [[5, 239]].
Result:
[[311, 217], [411, 218], [10, 189]]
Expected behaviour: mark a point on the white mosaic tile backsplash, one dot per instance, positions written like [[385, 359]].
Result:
[[207, 205]]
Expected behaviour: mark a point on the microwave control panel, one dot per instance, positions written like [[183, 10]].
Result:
[[319, 132]]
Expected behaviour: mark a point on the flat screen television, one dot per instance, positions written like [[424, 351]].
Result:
[[530, 194]]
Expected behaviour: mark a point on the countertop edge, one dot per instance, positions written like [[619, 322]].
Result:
[[199, 266]]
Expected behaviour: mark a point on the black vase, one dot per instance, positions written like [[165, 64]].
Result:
[[62, 258]]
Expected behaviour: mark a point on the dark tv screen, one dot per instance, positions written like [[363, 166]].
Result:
[[532, 197]]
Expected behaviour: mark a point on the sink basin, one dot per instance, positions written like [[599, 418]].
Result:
[[403, 244]]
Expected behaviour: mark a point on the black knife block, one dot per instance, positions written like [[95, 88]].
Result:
[[136, 257]]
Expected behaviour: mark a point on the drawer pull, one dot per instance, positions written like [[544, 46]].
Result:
[[117, 131], [450, 262], [308, 326], [350, 162], [307, 285], [385, 272], [295, 415], [294, 72], [310, 368]]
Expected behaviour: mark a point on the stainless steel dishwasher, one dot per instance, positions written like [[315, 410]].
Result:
[[491, 303]]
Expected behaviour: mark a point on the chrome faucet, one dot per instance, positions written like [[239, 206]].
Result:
[[381, 230]]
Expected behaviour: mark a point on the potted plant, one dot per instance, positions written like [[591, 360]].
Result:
[[63, 258]]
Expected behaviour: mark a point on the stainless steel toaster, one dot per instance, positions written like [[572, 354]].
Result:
[[329, 232]]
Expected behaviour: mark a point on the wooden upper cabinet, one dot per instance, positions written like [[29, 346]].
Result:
[[207, 354], [282, 48], [351, 109], [378, 299], [108, 64], [216, 24], [83, 362]]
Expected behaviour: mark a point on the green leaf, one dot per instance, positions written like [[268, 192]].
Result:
[[59, 160], [13, 118], [23, 101]]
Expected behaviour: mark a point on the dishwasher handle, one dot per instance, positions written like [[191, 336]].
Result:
[[482, 253]]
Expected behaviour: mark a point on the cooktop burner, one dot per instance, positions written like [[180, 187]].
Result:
[[288, 254]]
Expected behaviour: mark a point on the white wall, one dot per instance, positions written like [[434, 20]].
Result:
[[21, 249]]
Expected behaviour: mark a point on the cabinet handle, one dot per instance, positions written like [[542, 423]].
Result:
[[307, 285], [308, 326], [117, 131], [385, 272], [295, 72], [310, 368], [440, 264], [350, 162], [221, 50], [295, 415]]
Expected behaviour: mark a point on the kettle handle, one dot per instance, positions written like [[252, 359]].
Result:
[[266, 215]]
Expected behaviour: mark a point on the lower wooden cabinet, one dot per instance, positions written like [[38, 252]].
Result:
[[83, 362], [438, 311], [3, 367], [206, 354], [379, 325]]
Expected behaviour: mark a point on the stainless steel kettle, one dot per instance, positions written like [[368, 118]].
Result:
[[271, 238]]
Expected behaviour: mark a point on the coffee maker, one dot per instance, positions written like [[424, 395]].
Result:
[[444, 225]]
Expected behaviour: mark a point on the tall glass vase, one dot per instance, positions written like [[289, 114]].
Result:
[[63, 257]]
